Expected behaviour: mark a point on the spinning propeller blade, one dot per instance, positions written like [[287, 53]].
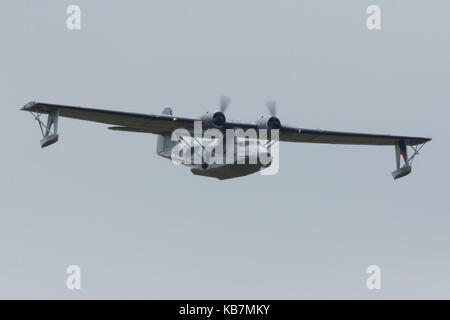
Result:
[[272, 107], [224, 103]]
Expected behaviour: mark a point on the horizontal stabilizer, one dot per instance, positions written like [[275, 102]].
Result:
[[128, 129]]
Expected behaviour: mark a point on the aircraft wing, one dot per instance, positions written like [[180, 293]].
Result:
[[335, 137], [291, 134], [157, 124], [126, 121]]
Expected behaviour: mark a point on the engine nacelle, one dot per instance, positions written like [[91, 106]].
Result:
[[268, 123], [214, 119]]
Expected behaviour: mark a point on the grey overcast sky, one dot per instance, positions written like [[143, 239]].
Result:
[[140, 227]]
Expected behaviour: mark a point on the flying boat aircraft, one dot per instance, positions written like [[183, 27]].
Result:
[[169, 146]]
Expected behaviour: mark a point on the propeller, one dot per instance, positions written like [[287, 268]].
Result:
[[224, 103], [271, 122], [272, 107]]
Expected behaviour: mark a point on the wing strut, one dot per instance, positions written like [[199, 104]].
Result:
[[50, 130], [401, 149]]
